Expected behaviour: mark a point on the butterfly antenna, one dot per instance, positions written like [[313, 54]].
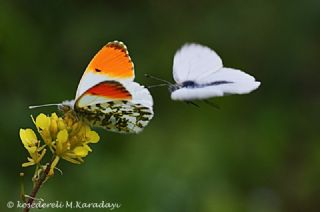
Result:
[[45, 105], [159, 79], [155, 86]]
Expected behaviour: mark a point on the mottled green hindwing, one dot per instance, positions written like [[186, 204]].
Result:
[[117, 116]]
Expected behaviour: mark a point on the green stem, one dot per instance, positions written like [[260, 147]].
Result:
[[37, 186], [22, 192]]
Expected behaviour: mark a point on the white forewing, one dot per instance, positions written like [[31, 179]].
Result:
[[87, 81], [193, 62]]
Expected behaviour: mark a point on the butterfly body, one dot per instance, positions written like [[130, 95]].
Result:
[[107, 97], [199, 74]]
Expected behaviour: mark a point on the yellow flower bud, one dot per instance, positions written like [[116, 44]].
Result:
[[53, 127], [61, 124], [61, 145], [75, 127], [62, 136], [54, 116]]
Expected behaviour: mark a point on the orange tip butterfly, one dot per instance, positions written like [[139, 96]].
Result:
[[199, 74], [107, 97]]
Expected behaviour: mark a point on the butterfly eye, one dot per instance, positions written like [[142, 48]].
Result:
[[64, 108], [189, 84]]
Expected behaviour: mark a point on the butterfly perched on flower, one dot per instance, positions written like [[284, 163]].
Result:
[[107, 97], [199, 74]]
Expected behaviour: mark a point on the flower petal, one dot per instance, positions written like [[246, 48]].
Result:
[[28, 137], [53, 165], [70, 159], [42, 121], [28, 164], [80, 151], [92, 137], [31, 150]]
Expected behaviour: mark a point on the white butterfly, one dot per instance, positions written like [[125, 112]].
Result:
[[199, 74]]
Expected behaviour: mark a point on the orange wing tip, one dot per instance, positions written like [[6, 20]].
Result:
[[112, 61], [122, 47], [118, 45]]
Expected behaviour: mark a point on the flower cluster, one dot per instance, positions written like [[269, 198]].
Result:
[[67, 137]]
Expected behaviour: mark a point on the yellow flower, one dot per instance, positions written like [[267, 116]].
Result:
[[28, 138], [67, 137], [31, 143]]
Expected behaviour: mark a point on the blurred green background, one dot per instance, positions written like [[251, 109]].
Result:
[[258, 153]]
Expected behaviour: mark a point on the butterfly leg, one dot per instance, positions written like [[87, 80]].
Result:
[[211, 104], [192, 103]]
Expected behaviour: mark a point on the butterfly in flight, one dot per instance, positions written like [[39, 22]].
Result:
[[107, 97], [199, 75]]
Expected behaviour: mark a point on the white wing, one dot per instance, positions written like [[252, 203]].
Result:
[[194, 62], [225, 81]]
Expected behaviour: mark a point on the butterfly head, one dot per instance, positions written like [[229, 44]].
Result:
[[66, 106], [174, 87]]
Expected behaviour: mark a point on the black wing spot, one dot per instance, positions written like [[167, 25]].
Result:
[[192, 84], [219, 82], [98, 70]]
